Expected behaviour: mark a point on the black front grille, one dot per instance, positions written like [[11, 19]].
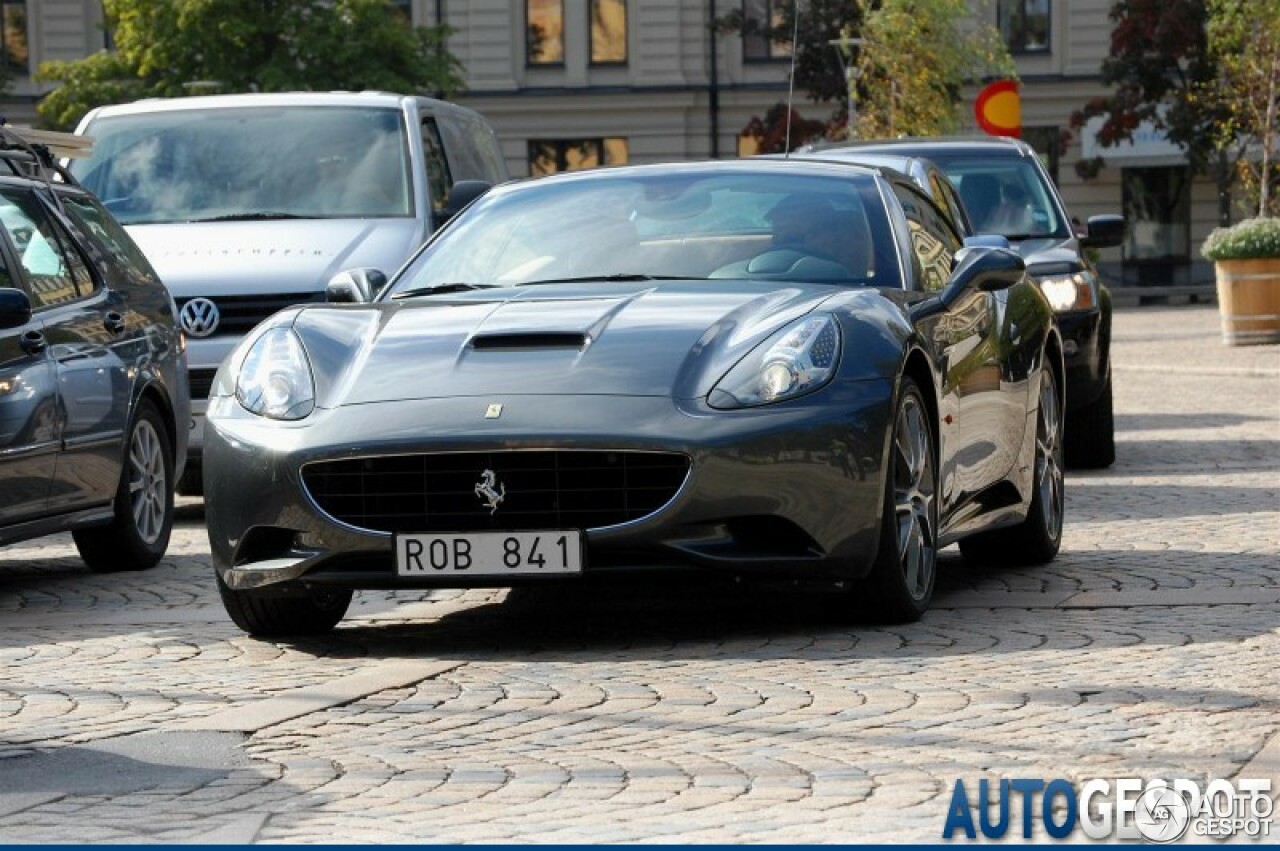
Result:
[[201, 381], [237, 314], [543, 489]]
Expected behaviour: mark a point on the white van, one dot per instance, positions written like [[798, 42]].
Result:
[[246, 204]]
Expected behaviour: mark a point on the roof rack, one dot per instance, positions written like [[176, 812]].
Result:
[[36, 153]]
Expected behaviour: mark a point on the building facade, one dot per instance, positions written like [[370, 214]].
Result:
[[579, 83]]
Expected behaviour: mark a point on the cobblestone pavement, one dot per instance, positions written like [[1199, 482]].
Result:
[[131, 709]]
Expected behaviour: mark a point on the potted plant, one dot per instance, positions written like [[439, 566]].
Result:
[[1246, 257]]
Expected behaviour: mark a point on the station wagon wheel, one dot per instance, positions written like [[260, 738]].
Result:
[[142, 514], [905, 571], [1037, 538]]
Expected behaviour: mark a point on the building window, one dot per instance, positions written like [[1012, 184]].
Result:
[[1047, 142], [763, 14], [1157, 203], [13, 33], [608, 32], [1024, 25], [549, 157], [545, 32]]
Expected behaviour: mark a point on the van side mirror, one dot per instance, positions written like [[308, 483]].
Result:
[[461, 194], [977, 269], [15, 308], [355, 286], [1104, 232]]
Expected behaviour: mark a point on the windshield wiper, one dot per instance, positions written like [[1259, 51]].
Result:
[[618, 277], [265, 215], [439, 289]]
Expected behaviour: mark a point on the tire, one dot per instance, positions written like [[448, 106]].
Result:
[[1037, 538], [903, 576], [138, 534], [267, 615], [1091, 434]]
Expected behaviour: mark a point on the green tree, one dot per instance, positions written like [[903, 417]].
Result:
[[909, 59], [167, 48], [915, 56], [1244, 40]]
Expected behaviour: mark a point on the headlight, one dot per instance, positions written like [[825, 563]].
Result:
[[275, 378], [797, 360], [1078, 291]]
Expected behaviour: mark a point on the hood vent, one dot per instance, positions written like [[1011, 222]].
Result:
[[542, 340]]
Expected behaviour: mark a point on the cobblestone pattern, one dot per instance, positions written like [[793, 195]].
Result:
[[753, 717]]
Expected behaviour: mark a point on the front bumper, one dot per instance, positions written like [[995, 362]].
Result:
[[794, 489]]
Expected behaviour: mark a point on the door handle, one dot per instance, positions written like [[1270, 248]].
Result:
[[32, 342], [114, 322]]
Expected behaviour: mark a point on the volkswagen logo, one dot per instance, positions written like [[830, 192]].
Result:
[[199, 317]]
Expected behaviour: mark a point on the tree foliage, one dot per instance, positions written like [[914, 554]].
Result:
[[909, 60], [915, 57], [167, 48], [1160, 68], [1244, 39]]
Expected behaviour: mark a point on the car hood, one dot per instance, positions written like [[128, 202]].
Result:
[[266, 257], [669, 339], [1050, 256]]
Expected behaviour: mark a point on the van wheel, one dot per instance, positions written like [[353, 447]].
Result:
[[138, 534], [271, 615]]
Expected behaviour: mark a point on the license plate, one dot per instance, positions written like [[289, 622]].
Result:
[[490, 554]]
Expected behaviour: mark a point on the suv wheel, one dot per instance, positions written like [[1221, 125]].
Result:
[[138, 534]]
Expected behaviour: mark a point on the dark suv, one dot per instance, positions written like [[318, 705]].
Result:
[[1006, 191], [94, 406]]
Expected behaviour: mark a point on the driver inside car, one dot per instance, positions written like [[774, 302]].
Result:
[[817, 227]]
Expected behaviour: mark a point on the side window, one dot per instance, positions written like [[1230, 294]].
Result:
[[945, 193], [121, 252], [933, 241], [55, 269], [439, 180], [472, 150]]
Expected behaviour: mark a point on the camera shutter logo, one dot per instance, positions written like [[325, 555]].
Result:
[[1161, 814], [199, 317]]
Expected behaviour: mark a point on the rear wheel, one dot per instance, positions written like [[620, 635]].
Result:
[[1091, 433], [1037, 538], [905, 570], [269, 615], [138, 534]]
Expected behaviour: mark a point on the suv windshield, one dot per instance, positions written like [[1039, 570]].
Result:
[[249, 163], [1004, 195]]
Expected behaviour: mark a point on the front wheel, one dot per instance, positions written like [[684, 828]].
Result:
[[265, 614], [138, 534], [905, 570], [1037, 538], [1091, 433]]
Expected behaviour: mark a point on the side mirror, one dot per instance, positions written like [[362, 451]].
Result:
[[977, 269], [461, 194], [1105, 232], [354, 286], [15, 308]]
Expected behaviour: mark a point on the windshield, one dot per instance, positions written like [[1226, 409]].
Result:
[[249, 163], [1004, 195], [666, 223]]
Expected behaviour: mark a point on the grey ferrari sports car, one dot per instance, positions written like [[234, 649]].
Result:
[[759, 368]]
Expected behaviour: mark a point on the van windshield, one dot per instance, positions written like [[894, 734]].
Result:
[[227, 164]]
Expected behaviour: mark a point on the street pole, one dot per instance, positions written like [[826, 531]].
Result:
[[848, 62]]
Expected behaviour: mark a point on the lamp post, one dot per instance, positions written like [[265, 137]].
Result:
[[844, 46]]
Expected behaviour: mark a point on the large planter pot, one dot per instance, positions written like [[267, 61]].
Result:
[[1249, 301]]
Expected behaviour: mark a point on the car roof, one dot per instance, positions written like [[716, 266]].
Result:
[[930, 146], [271, 99], [752, 165]]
